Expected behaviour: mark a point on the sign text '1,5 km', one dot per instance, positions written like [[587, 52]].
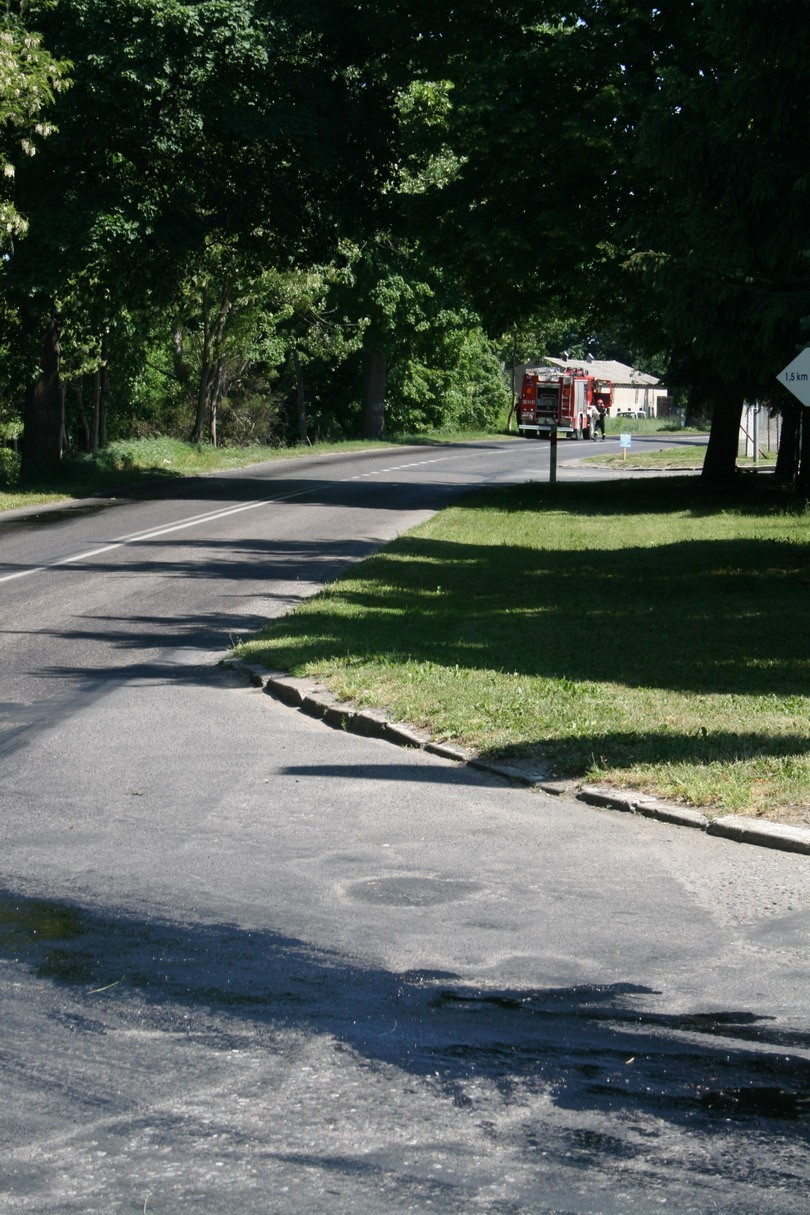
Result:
[[796, 376]]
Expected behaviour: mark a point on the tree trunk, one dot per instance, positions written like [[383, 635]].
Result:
[[183, 370], [803, 480], [78, 389], [720, 465], [300, 398], [373, 417], [44, 416], [513, 404], [210, 362], [787, 458], [203, 384], [217, 391], [95, 409], [64, 442], [104, 396]]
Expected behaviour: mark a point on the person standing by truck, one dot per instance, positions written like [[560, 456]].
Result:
[[593, 420], [601, 414]]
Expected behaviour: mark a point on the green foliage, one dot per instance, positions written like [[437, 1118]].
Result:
[[541, 124], [228, 123], [726, 141], [451, 379], [9, 468], [29, 79], [429, 161], [240, 201], [442, 368]]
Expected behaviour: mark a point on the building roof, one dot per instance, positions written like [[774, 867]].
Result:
[[608, 369]]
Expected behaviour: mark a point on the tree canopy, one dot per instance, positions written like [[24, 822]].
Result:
[[30, 77], [242, 199]]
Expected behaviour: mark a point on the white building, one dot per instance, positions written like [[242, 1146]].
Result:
[[635, 394]]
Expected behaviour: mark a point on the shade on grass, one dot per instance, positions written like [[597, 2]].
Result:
[[630, 631]]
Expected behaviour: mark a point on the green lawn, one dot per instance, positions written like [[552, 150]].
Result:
[[673, 458], [651, 426], [630, 633]]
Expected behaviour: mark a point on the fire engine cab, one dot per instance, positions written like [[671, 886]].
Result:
[[567, 401]]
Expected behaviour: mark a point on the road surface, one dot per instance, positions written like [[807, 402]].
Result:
[[252, 964]]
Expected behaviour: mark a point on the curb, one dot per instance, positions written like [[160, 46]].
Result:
[[759, 831], [316, 701], [650, 807]]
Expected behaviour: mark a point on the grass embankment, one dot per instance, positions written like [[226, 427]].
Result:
[[134, 462], [630, 633], [673, 459], [651, 426]]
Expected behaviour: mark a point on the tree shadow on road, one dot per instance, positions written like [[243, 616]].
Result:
[[587, 1047]]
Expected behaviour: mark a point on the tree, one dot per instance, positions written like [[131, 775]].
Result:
[[29, 80], [726, 139], [317, 333], [225, 321], [599, 140], [544, 106], [243, 117]]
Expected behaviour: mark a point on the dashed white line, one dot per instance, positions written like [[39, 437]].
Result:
[[206, 517]]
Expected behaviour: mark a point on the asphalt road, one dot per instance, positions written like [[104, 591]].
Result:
[[252, 964]]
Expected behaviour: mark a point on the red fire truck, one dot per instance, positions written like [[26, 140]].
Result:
[[567, 400]]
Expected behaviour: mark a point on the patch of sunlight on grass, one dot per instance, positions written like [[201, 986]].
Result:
[[14, 501]]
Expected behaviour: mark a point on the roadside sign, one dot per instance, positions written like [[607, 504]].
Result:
[[625, 440], [796, 376]]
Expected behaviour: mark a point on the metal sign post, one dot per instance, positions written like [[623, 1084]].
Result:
[[756, 433], [552, 455]]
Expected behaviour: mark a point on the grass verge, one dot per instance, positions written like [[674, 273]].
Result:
[[672, 458], [630, 633]]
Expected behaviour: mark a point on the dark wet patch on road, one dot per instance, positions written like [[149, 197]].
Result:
[[605, 1049], [758, 1101]]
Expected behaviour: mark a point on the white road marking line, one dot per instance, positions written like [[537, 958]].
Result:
[[152, 534]]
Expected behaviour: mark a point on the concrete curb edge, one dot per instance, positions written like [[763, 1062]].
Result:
[[316, 701]]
